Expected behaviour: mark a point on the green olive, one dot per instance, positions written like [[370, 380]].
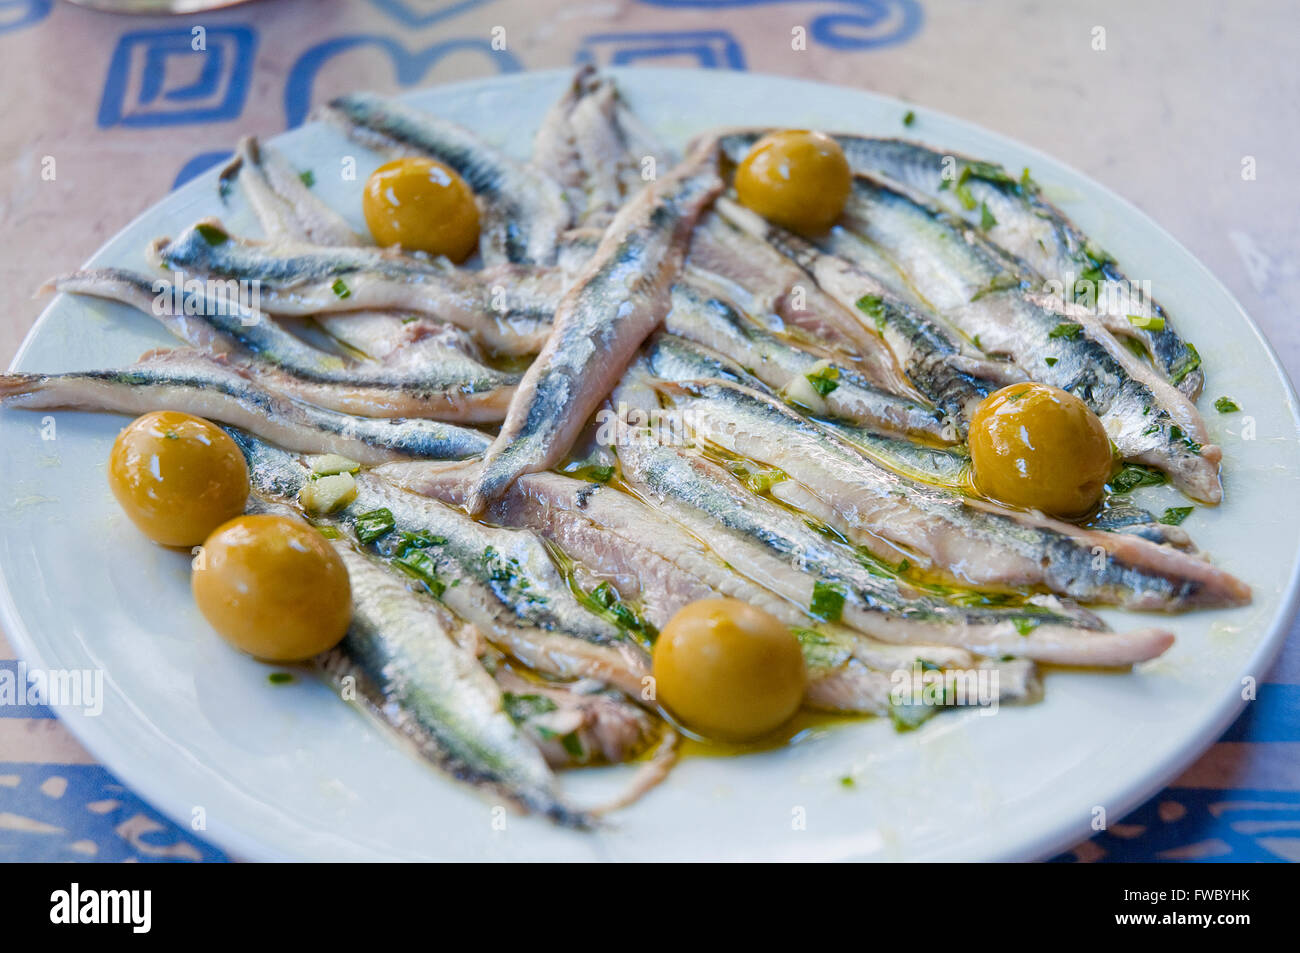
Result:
[[1041, 448], [728, 670], [273, 587], [795, 178], [177, 477], [421, 205]]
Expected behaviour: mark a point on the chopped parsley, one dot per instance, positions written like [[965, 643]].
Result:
[[419, 565], [341, 289], [1066, 329], [1134, 475], [280, 678], [909, 117], [1189, 365], [1176, 433], [825, 379], [520, 708], [308, 178], [1050, 361], [605, 600], [827, 601], [1147, 322], [211, 234], [1226, 405], [987, 220], [1174, 515], [1025, 626], [873, 307], [370, 526], [820, 650]]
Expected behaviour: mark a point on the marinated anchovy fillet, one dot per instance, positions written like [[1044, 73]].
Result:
[[501, 581], [765, 284], [410, 671], [706, 318], [446, 383], [197, 384], [778, 549], [1053, 342], [976, 542], [281, 199], [952, 376], [577, 723], [675, 359], [618, 539], [594, 147], [524, 210], [1029, 227], [619, 298], [509, 310]]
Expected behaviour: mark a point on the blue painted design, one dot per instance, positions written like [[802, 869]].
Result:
[[418, 14], [410, 66], [1274, 715], [93, 808], [142, 60], [1230, 823], [10, 682], [16, 14], [858, 25], [712, 49], [199, 164]]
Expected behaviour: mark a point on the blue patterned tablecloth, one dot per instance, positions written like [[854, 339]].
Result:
[[134, 106]]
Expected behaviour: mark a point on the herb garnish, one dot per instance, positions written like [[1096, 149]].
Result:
[[370, 526], [1134, 475], [1066, 329], [825, 379], [987, 220], [827, 601], [341, 289], [1174, 515], [1226, 405], [873, 306]]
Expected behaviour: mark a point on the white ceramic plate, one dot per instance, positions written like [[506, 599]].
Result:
[[291, 772]]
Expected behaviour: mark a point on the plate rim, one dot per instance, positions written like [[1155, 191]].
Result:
[[154, 788]]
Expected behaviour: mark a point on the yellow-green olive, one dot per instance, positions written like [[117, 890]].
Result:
[[728, 670], [273, 587], [795, 178], [177, 477], [1041, 448], [421, 205]]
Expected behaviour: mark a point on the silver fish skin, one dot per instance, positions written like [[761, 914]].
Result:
[[501, 581], [195, 383], [707, 318], [620, 297], [524, 211], [1029, 227], [507, 309], [775, 291], [595, 147], [413, 675], [780, 551], [618, 539], [283, 203], [1053, 342], [977, 542], [952, 375], [445, 384], [678, 360]]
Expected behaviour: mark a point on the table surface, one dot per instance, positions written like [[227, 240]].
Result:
[[1188, 109]]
